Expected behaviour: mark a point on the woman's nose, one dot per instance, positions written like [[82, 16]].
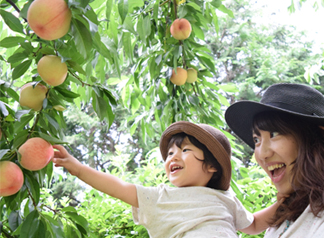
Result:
[[264, 151]]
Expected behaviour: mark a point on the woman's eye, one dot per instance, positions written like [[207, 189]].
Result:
[[274, 133]]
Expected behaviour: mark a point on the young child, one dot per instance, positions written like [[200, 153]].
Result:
[[197, 163]]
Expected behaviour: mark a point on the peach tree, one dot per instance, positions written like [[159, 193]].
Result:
[[124, 43]]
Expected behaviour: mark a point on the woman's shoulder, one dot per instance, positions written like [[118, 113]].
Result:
[[306, 225]]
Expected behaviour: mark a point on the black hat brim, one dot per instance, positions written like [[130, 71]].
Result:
[[239, 117]]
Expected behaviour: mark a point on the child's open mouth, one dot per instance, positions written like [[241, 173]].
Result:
[[175, 168]]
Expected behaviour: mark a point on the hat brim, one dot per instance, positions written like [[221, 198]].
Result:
[[204, 137], [239, 117]]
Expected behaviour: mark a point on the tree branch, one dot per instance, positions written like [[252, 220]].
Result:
[[13, 5]]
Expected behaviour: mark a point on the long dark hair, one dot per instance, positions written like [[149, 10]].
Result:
[[308, 168], [209, 159]]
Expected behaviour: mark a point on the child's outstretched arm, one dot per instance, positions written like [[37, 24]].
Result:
[[101, 181]]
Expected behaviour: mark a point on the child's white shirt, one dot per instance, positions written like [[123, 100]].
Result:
[[168, 212], [306, 225]]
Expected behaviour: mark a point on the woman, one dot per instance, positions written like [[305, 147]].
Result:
[[286, 131]]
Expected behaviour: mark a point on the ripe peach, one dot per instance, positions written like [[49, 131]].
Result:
[[192, 75], [49, 19], [180, 77], [52, 70], [32, 97], [35, 153], [180, 29], [11, 178]]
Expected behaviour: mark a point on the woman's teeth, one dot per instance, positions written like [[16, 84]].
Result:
[[275, 166]]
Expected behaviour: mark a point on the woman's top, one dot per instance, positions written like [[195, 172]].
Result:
[[306, 226], [168, 212]]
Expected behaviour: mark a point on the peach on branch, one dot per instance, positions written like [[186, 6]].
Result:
[[180, 29], [35, 153], [32, 97], [179, 78], [52, 70], [11, 178], [192, 75], [49, 19]]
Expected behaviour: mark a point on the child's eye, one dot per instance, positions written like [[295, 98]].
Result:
[[170, 153], [185, 150]]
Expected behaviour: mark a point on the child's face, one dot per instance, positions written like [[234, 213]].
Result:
[[183, 166]]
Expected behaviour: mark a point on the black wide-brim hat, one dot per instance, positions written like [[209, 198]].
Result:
[[296, 99], [215, 141]]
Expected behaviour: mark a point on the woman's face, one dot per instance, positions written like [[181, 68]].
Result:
[[275, 153]]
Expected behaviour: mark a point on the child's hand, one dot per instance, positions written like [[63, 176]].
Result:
[[63, 159]]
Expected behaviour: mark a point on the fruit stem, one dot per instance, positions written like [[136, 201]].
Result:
[[78, 78]]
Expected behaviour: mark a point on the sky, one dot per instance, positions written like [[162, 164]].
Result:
[[304, 18]]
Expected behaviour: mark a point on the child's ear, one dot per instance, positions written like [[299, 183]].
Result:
[[211, 169]]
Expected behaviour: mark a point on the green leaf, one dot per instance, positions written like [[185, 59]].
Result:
[[3, 152], [198, 31], [3, 109], [102, 48], [19, 126], [66, 93], [79, 220], [140, 28], [226, 10], [52, 121], [134, 3], [109, 5], [14, 220], [123, 9], [20, 69], [17, 57], [74, 65], [32, 185], [51, 139], [12, 21], [30, 225], [11, 41], [82, 37], [216, 3]]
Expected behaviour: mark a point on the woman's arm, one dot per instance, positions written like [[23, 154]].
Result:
[[261, 218], [101, 181]]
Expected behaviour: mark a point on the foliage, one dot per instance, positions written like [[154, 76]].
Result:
[[120, 55]]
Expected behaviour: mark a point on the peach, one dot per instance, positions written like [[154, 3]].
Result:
[[180, 29], [49, 19], [35, 153], [180, 77], [11, 178], [32, 97], [52, 70], [192, 75]]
